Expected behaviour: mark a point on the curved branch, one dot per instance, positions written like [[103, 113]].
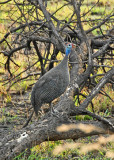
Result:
[[5, 2]]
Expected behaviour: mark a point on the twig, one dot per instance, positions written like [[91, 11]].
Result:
[[97, 88], [40, 57], [27, 122], [100, 24]]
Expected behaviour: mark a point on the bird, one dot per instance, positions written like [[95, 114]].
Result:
[[52, 84]]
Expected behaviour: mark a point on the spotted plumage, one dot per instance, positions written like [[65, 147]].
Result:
[[52, 84]]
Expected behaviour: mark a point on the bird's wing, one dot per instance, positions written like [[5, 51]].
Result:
[[47, 89], [52, 79]]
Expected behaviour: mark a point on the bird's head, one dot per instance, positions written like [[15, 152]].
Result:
[[69, 46]]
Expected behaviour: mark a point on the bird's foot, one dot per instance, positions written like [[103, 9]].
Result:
[[55, 113]]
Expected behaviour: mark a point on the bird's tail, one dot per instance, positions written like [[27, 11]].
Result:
[[35, 106], [36, 110]]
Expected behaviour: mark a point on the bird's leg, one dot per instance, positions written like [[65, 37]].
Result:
[[53, 112], [52, 109]]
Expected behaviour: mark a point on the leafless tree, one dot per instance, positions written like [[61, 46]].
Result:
[[36, 27]]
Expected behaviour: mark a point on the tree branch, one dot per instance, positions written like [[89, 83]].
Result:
[[42, 131]]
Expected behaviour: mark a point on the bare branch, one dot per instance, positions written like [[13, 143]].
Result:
[[97, 88], [100, 24], [102, 49]]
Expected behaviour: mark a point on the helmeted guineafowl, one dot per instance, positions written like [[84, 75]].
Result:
[[52, 84]]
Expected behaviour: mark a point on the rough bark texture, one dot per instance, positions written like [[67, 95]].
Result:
[[41, 131]]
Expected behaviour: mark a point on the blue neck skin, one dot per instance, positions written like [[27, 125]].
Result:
[[68, 50]]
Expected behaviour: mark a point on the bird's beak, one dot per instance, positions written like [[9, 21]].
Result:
[[73, 45]]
